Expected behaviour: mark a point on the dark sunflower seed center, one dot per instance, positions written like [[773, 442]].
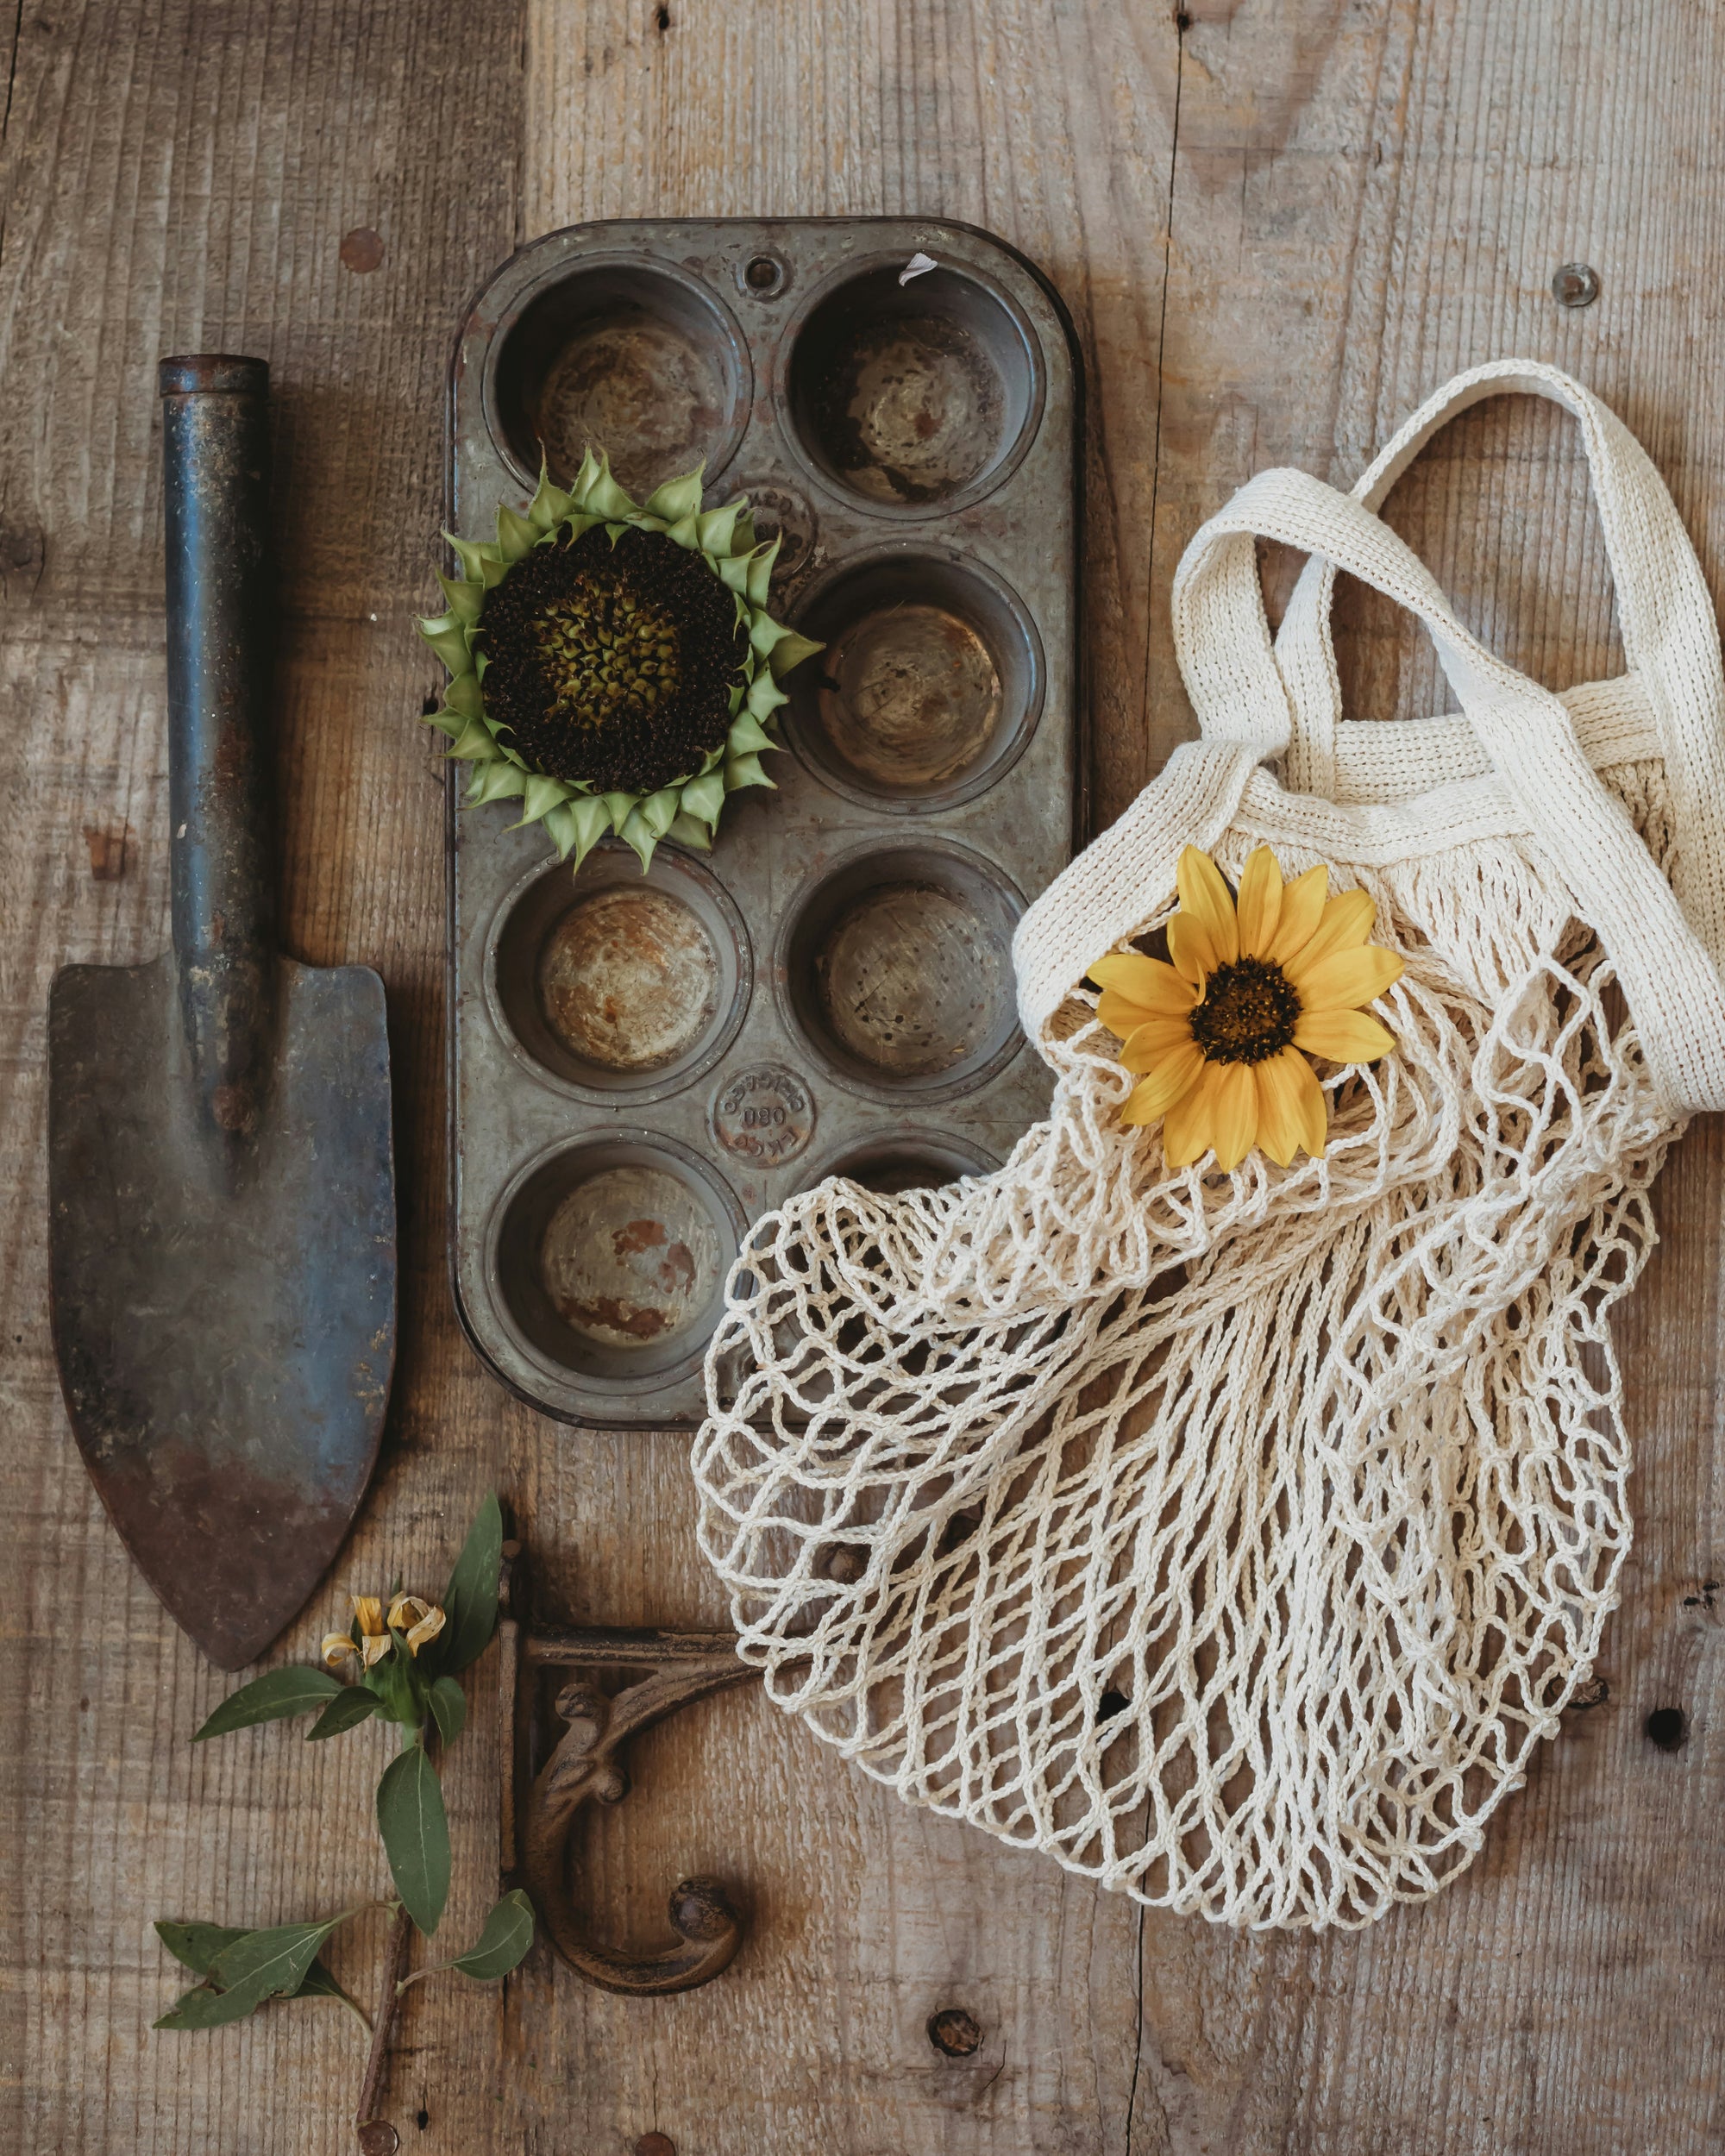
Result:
[[606, 648], [1249, 1012], [613, 666]]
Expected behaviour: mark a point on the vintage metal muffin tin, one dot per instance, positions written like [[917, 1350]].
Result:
[[641, 1064]]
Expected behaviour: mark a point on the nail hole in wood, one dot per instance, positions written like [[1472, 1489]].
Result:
[[1667, 1728], [656, 2144], [664, 20], [954, 2032]]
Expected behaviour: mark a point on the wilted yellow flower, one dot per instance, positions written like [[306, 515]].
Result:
[[373, 1642], [418, 1620], [1220, 1032]]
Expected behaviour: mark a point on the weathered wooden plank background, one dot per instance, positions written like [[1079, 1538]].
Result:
[[1277, 223]]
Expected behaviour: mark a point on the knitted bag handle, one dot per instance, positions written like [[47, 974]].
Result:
[[1222, 636], [1670, 640]]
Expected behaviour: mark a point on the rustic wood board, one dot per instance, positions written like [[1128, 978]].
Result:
[[1278, 224]]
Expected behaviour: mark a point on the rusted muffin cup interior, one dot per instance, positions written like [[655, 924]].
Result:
[[611, 1256], [892, 1162], [615, 982], [929, 688], [913, 398], [636, 361], [897, 970]]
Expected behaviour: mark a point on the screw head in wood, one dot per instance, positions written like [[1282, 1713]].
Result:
[[363, 250], [1575, 285]]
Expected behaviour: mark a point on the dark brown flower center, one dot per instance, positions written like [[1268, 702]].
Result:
[[1248, 1014], [612, 664]]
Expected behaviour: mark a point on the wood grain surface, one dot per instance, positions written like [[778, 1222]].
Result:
[[1277, 223]]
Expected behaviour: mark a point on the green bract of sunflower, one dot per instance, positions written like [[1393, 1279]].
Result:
[[612, 665]]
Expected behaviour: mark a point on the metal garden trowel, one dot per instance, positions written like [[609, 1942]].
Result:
[[221, 1179]]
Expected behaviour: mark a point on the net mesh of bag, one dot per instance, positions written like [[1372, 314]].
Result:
[[1234, 1538]]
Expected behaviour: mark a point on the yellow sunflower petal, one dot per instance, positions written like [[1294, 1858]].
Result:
[[1260, 902], [1146, 982], [377, 1645], [1191, 948], [1302, 908], [1346, 981], [1204, 894], [337, 1647], [1186, 1128], [1291, 1108], [1168, 1083], [368, 1608], [1346, 923], [1346, 1037], [1235, 1131], [1150, 1046]]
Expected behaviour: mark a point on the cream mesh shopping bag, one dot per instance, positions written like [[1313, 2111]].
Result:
[[1234, 1537]]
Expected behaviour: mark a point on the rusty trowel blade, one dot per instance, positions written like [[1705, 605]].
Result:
[[224, 1320]]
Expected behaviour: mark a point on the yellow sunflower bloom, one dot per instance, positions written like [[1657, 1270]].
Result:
[[1257, 984]]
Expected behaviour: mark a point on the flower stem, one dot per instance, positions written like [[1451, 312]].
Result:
[[394, 1962]]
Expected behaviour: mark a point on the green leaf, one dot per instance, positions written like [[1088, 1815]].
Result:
[[465, 599], [271, 1698], [704, 797], [765, 695], [718, 527], [516, 537], [540, 796], [448, 1708], [255, 1966], [638, 833], [741, 771], [470, 1599], [689, 830], [503, 1944], [748, 733], [466, 697], [446, 635], [346, 1711], [658, 811], [678, 498], [619, 807], [196, 1945], [475, 743], [416, 1834], [764, 632], [605, 499], [549, 504], [791, 650], [591, 820], [499, 781], [761, 570]]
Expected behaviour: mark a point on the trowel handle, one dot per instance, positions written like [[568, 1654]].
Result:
[[215, 493]]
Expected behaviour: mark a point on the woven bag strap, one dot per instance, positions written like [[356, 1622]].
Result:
[[1222, 638], [1671, 639]]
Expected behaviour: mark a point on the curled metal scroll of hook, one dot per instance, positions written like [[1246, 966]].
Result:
[[586, 1765]]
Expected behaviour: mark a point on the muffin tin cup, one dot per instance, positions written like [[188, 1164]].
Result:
[[894, 970], [643, 1064], [929, 686], [621, 986]]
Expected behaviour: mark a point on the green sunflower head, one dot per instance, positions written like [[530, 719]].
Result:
[[612, 665]]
